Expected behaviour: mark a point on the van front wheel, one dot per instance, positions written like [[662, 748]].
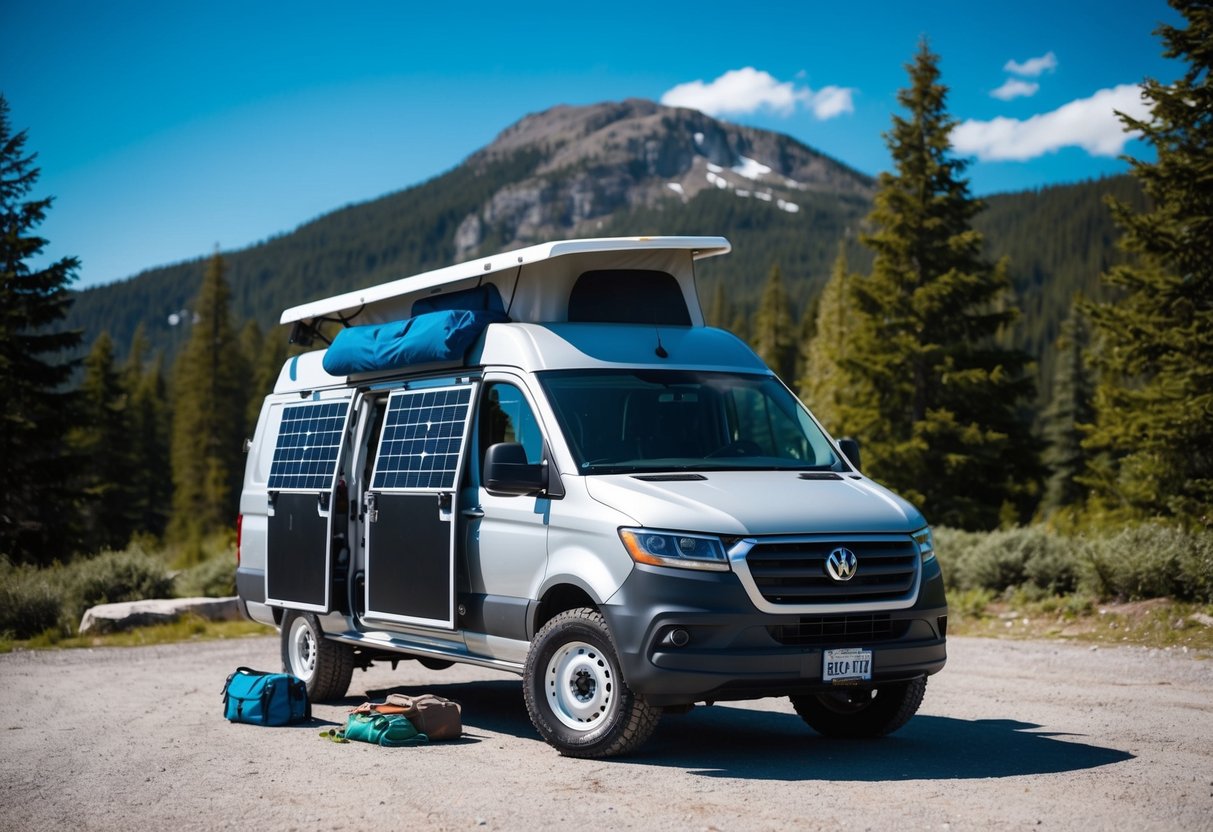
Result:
[[575, 694], [324, 666]]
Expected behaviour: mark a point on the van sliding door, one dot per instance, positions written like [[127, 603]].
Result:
[[304, 474], [410, 574]]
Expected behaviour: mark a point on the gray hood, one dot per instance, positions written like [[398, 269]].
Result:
[[747, 503]]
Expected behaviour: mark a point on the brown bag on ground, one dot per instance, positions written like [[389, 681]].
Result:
[[437, 718]]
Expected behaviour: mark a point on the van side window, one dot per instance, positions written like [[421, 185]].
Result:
[[505, 416]]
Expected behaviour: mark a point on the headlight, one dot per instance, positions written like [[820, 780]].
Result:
[[687, 551], [926, 544]]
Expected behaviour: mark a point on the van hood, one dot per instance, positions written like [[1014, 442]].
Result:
[[744, 503]]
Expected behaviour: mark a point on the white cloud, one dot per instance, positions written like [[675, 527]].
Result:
[[1015, 88], [1089, 123], [1033, 67], [829, 102], [749, 90]]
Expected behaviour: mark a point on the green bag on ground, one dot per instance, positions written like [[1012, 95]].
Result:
[[383, 729]]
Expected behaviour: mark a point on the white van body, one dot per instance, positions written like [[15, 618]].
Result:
[[600, 494]]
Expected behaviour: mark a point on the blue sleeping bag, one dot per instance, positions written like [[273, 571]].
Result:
[[443, 335]]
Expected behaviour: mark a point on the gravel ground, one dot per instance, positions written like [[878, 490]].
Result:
[[1012, 735]]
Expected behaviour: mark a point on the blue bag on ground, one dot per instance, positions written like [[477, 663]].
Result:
[[261, 698]]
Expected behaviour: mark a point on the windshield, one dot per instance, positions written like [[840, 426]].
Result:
[[627, 421]]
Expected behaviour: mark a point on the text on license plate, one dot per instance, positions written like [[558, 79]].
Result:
[[847, 664]]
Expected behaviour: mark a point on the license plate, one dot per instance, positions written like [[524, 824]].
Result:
[[850, 664]]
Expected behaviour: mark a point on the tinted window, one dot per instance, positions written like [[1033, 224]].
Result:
[[628, 296], [505, 416], [624, 421]]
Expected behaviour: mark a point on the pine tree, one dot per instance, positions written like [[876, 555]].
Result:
[[208, 416], [825, 385], [1153, 435], [943, 423], [102, 441], [36, 499], [1069, 412], [148, 414], [774, 334]]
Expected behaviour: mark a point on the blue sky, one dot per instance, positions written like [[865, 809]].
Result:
[[164, 130]]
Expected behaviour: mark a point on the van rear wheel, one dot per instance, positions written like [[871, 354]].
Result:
[[324, 666], [862, 712], [575, 693]]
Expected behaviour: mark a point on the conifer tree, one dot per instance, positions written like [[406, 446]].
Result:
[[825, 385], [938, 399], [102, 441], [1153, 435], [774, 333], [36, 499], [148, 414], [1069, 412], [208, 416]]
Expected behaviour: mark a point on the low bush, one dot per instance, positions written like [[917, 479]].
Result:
[[112, 577], [31, 600], [1134, 563], [213, 578]]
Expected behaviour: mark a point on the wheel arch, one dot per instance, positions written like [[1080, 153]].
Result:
[[559, 595]]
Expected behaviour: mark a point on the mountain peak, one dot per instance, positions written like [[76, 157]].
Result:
[[596, 159]]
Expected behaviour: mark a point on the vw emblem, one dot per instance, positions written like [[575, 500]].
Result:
[[841, 564]]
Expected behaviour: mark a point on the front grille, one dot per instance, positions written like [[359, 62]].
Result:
[[839, 629], [793, 572]]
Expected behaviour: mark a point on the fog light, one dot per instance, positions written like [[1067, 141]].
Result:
[[678, 637]]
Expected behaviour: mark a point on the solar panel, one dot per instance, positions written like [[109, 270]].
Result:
[[422, 439], [309, 442]]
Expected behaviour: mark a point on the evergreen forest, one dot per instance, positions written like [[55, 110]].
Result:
[[1036, 360]]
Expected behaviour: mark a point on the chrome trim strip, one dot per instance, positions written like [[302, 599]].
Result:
[[740, 550]]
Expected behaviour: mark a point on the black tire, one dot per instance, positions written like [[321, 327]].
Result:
[[324, 666], [575, 693], [861, 712]]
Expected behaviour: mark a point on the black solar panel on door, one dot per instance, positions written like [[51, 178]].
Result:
[[309, 442], [422, 439]]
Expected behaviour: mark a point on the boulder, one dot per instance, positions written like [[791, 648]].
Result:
[[108, 618]]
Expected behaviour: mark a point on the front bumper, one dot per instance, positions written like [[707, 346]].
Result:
[[734, 651]]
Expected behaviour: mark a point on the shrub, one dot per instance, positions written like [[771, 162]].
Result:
[[31, 600], [1152, 562], [111, 577], [213, 578], [1133, 563]]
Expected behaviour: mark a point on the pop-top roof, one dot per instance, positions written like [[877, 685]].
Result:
[[534, 282]]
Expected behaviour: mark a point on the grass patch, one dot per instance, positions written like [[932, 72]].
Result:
[[187, 628]]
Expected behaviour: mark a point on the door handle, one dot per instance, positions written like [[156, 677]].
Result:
[[473, 513]]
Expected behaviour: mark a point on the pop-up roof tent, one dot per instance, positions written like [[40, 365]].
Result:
[[436, 315]]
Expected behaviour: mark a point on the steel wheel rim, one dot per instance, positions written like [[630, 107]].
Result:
[[580, 686], [303, 649]]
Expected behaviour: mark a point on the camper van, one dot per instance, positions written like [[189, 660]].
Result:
[[543, 462]]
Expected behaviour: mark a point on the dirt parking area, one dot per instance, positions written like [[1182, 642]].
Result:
[[1012, 735]]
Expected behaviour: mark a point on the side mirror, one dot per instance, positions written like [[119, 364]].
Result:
[[850, 449], [506, 470]]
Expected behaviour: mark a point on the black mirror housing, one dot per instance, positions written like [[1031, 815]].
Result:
[[506, 471], [850, 449]]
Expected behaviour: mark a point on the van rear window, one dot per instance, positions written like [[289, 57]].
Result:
[[628, 296]]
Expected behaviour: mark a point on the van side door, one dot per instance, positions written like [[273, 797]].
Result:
[[506, 535], [306, 472], [410, 504]]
